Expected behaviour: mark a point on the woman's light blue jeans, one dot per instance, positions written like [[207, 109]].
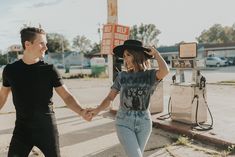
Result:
[[133, 130]]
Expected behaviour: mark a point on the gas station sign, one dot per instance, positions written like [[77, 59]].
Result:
[[113, 35]]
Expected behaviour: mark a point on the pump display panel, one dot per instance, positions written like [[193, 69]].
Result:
[[188, 50]]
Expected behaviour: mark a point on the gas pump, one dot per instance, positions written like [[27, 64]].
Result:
[[188, 99]]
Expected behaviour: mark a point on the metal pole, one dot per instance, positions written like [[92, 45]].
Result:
[[112, 19], [62, 48]]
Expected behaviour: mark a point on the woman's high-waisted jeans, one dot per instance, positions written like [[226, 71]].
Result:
[[133, 130]]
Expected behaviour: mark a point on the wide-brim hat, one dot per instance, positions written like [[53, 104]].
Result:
[[132, 45]]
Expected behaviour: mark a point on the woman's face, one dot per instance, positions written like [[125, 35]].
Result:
[[128, 59]]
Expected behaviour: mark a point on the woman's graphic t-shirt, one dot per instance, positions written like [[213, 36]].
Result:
[[135, 88]]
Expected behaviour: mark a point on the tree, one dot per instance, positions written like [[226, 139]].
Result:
[[82, 44], [57, 43], [217, 34], [146, 33], [95, 48], [3, 59]]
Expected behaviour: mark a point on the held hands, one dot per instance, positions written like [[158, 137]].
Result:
[[94, 111], [86, 114], [89, 113]]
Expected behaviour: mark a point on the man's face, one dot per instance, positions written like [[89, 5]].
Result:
[[38, 47]]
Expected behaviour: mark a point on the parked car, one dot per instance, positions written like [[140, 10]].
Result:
[[231, 60], [59, 66], [215, 61], [225, 60]]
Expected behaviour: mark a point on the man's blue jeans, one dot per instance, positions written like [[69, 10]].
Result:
[[133, 130]]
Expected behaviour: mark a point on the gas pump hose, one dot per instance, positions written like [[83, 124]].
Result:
[[202, 127], [168, 115]]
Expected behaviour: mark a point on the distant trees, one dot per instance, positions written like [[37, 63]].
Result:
[[3, 59], [82, 44], [57, 43], [96, 47], [147, 33], [217, 34]]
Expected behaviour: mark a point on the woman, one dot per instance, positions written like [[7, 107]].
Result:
[[135, 85]]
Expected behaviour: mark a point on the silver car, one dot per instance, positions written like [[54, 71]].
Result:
[[215, 61]]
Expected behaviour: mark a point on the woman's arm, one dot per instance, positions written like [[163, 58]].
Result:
[[163, 68], [105, 103]]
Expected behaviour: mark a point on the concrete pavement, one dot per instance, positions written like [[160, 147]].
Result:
[[98, 138]]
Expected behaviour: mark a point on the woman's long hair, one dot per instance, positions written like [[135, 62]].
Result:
[[140, 61]]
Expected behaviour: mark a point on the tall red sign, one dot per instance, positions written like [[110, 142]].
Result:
[[113, 35]]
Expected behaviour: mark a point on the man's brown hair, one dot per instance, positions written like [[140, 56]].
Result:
[[29, 34]]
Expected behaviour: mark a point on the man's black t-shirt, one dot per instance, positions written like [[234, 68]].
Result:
[[32, 88]]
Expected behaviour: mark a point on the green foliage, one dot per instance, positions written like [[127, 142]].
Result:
[[231, 149], [218, 34], [182, 140], [82, 44], [12, 56], [95, 48], [3, 59], [57, 43], [147, 33]]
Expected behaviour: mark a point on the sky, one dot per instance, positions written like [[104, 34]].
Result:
[[178, 20]]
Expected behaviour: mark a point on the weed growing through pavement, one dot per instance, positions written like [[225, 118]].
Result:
[[231, 149]]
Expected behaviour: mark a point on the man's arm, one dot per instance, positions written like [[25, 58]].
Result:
[[72, 102], [4, 92]]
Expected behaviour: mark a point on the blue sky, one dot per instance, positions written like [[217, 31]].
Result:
[[178, 20]]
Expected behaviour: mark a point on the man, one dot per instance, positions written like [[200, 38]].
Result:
[[31, 82]]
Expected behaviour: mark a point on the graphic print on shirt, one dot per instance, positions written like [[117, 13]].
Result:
[[135, 98], [136, 89]]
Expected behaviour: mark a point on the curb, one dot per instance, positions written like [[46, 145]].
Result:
[[200, 136], [184, 129]]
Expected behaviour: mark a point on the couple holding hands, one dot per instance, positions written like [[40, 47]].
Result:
[[32, 81]]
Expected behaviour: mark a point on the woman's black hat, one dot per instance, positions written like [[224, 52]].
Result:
[[132, 45]]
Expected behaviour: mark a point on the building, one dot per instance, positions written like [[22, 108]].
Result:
[[220, 50], [172, 52], [226, 50], [67, 59], [14, 52]]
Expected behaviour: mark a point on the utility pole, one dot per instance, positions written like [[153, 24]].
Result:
[[62, 49], [100, 40], [112, 19], [66, 67]]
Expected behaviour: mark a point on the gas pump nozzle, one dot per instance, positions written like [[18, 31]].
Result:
[[173, 78], [202, 82]]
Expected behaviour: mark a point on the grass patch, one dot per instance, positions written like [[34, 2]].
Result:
[[182, 140], [185, 141], [230, 81], [231, 149], [76, 76]]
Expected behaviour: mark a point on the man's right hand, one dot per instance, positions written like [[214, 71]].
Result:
[[86, 114], [94, 111]]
